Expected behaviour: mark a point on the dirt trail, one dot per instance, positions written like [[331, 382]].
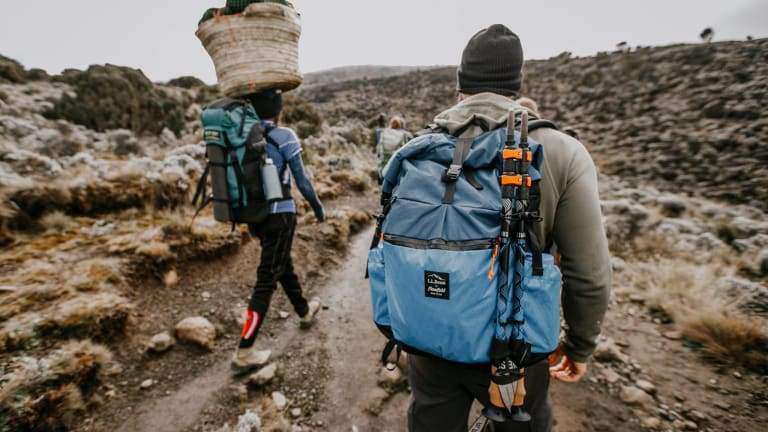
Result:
[[354, 345], [330, 370]]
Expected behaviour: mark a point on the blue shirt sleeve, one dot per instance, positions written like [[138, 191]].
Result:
[[290, 146], [303, 183]]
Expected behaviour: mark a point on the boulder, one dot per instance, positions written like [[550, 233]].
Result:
[[196, 330]]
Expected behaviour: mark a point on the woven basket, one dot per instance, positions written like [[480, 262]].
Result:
[[255, 50]]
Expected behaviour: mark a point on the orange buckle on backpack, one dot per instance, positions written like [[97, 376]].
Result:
[[516, 154], [516, 180]]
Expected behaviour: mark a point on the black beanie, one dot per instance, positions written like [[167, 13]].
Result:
[[268, 104], [492, 62]]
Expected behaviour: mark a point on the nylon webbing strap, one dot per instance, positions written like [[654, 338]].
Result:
[[541, 124], [451, 176], [201, 185]]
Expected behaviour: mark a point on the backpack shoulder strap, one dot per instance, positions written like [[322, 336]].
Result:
[[541, 124], [431, 128]]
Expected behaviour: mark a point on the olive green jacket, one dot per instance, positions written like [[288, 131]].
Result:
[[572, 219]]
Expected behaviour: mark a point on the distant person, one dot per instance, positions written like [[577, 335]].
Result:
[[435, 233], [390, 139], [276, 233]]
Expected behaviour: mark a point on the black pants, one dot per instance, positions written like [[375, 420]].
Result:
[[443, 394], [276, 237]]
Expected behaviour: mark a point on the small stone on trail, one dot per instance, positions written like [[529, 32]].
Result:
[[197, 330], [608, 351], [723, 405], [171, 279], [160, 342], [737, 375], [296, 412], [206, 295], [146, 384], [646, 386], [283, 314], [264, 375], [651, 423], [632, 395], [673, 335], [248, 422], [280, 400], [610, 376]]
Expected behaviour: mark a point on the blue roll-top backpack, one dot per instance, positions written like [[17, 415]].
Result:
[[456, 271]]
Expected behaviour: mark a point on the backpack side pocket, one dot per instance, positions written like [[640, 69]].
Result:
[[540, 306]]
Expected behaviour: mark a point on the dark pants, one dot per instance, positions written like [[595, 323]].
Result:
[[276, 237], [443, 394]]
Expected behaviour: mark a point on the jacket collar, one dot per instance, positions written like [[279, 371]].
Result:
[[492, 108]]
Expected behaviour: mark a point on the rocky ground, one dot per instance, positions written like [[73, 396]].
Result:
[[116, 313]]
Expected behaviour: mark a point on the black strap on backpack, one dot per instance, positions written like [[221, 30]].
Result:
[[451, 175]]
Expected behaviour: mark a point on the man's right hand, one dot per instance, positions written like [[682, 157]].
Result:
[[563, 368]]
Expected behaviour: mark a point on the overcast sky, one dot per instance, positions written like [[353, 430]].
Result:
[[158, 35]]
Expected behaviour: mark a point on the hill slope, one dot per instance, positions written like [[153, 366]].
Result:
[[686, 118]]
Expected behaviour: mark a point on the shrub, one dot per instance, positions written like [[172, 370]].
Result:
[[11, 71], [302, 115], [187, 82], [114, 97]]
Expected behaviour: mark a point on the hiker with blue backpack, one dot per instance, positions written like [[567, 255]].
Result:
[[463, 268], [250, 163]]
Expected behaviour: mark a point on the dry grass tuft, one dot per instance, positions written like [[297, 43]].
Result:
[[57, 222], [687, 294], [46, 394], [729, 337]]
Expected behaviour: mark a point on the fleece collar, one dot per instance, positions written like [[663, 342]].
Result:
[[492, 108]]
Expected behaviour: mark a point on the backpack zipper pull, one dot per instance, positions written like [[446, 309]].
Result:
[[491, 273]]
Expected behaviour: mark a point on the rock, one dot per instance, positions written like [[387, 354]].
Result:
[[160, 342], [248, 422], [610, 376], [749, 296], [279, 400], [197, 330], [696, 416], [146, 384], [646, 386], [690, 425], [634, 396], [264, 375], [652, 423], [723, 405], [618, 264], [672, 206], [607, 351], [171, 279], [296, 412], [283, 315], [672, 334], [375, 400]]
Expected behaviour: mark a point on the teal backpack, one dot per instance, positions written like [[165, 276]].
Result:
[[236, 151]]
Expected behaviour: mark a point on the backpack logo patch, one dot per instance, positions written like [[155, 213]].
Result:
[[437, 285], [212, 135]]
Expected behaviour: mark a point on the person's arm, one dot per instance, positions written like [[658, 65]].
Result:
[[585, 261], [305, 186]]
